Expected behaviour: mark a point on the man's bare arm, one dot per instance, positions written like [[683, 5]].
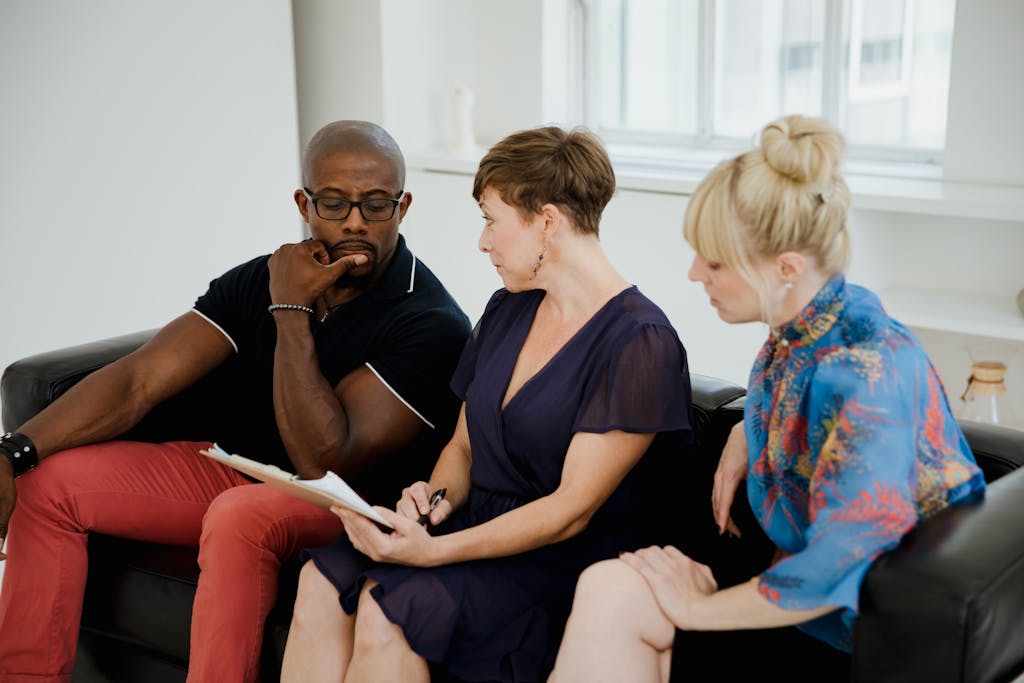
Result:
[[114, 398], [338, 428]]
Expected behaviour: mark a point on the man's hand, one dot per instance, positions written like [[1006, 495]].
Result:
[[8, 498], [300, 273], [674, 578], [732, 469]]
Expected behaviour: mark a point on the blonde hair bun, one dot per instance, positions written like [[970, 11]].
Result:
[[802, 148]]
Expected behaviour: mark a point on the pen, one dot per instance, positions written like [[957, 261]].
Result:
[[435, 498]]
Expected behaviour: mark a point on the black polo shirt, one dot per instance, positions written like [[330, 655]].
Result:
[[407, 329]]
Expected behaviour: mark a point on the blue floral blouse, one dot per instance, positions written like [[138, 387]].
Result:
[[851, 442]]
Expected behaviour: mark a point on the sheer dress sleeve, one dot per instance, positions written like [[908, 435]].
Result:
[[644, 387]]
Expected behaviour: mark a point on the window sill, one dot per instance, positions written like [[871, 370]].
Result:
[[919, 191]]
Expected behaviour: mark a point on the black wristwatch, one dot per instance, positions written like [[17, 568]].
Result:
[[20, 450]]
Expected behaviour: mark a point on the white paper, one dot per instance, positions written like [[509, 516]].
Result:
[[334, 485]]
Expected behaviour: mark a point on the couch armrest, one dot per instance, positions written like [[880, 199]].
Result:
[[946, 604], [998, 450], [32, 383]]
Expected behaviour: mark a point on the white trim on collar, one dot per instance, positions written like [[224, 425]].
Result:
[[412, 275]]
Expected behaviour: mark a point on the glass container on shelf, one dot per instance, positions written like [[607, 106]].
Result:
[[985, 398]]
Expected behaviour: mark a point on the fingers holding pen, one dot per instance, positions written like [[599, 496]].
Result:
[[424, 505], [440, 512], [415, 500]]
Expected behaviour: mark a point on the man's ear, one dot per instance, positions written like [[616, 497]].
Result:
[[792, 265], [403, 206], [302, 202]]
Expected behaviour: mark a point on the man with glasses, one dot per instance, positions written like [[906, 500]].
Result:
[[330, 354]]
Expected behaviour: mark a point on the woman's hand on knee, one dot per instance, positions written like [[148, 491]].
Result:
[[676, 580]]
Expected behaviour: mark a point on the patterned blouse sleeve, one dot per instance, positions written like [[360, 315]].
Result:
[[862, 409], [644, 388]]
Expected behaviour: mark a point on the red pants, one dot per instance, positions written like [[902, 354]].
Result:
[[167, 493]]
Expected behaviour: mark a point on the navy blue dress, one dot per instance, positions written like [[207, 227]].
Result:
[[501, 619]]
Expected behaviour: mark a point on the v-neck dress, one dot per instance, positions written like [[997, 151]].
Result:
[[501, 619]]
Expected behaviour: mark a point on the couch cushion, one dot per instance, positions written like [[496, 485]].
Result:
[[141, 593]]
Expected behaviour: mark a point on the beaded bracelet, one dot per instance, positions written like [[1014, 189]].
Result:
[[20, 450], [289, 307]]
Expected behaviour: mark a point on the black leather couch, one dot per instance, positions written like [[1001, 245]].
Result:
[[947, 605]]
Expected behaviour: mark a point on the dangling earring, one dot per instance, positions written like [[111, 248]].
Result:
[[540, 261]]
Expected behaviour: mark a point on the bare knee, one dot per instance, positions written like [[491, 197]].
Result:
[[316, 600], [613, 598], [610, 585], [375, 633]]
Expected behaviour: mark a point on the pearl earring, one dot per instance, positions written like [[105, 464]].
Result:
[[788, 285]]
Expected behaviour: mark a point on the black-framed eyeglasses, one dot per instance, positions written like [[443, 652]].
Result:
[[338, 209]]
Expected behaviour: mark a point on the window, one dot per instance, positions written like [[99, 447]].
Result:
[[710, 73]]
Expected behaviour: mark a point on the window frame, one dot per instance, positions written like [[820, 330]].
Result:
[[698, 148]]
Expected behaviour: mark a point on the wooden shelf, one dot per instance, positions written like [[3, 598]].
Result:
[[966, 313]]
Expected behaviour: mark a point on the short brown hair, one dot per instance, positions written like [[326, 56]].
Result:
[[548, 165]]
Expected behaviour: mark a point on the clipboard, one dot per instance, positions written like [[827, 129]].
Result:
[[324, 492]]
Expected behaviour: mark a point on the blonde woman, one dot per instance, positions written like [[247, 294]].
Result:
[[847, 439]]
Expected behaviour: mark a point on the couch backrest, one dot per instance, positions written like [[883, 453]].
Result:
[[30, 384]]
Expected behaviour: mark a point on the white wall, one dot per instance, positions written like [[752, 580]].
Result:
[[167, 99], [338, 64], [495, 46], [427, 47], [985, 141], [144, 149]]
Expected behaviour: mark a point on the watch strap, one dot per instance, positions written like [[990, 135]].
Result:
[[21, 452]]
